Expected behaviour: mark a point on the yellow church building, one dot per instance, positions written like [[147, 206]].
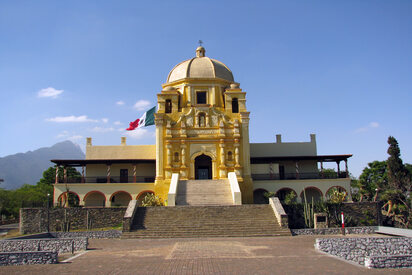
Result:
[[202, 154]]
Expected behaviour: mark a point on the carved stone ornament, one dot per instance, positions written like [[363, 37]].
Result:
[[215, 120]]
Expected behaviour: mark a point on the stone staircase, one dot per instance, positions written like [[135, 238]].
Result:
[[204, 192], [205, 221]]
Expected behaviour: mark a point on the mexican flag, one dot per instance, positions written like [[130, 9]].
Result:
[[146, 120]]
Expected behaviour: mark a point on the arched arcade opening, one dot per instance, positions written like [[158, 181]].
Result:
[[95, 198], [311, 192], [120, 198]]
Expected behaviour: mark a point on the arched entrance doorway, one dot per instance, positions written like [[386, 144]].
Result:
[[203, 167]]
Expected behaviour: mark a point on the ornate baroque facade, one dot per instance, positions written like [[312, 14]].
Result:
[[202, 132]]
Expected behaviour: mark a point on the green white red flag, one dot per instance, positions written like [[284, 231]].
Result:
[[147, 119]]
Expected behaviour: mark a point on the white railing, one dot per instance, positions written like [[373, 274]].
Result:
[[171, 196], [280, 213], [234, 188]]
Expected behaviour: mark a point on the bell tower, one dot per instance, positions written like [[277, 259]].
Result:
[[202, 126]]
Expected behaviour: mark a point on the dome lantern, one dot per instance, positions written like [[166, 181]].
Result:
[[200, 51]]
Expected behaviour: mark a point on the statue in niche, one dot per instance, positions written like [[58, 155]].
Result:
[[189, 121], [214, 120], [202, 120]]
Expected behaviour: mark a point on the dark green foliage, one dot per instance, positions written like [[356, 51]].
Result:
[[373, 177], [34, 195], [354, 215], [398, 175]]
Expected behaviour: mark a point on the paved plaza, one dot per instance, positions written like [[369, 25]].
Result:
[[271, 255]]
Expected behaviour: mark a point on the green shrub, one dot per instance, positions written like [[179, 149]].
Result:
[[152, 200]]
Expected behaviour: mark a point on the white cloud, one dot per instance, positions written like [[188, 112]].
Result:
[[75, 137], [120, 102], [142, 105], [370, 126], [98, 129], [374, 125], [71, 119], [117, 123], [138, 133], [49, 92], [105, 120]]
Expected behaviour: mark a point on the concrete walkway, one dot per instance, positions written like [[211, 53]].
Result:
[[271, 255], [7, 227]]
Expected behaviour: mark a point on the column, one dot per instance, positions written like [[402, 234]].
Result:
[[134, 173], [65, 174], [297, 169], [321, 170], [83, 181], [338, 164], [169, 154], [222, 170], [56, 181], [108, 172], [183, 153], [346, 168], [159, 146], [237, 154], [245, 143]]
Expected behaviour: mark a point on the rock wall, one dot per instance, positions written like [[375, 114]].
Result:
[[388, 261], [23, 258], [54, 245], [107, 234], [376, 252], [335, 230], [34, 220]]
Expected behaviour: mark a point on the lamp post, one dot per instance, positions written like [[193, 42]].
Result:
[[48, 213]]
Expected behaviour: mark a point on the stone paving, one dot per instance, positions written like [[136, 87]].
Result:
[[263, 255]]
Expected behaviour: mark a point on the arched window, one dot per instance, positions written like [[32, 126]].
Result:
[[229, 156], [176, 157], [235, 105], [168, 106], [202, 120]]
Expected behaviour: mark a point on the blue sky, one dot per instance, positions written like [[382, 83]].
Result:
[[339, 69]]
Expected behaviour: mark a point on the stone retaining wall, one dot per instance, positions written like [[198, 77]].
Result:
[[23, 258], [108, 234], [388, 261], [379, 250], [335, 231], [52, 245], [35, 220]]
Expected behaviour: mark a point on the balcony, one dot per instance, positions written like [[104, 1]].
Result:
[[300, 176], [113, 179]]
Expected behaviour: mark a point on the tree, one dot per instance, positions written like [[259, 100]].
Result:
[[49, 175], [373, 179], [399, 183], [49, 178]]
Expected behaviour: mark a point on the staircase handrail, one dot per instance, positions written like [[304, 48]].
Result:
[[171, 196], [234, 188], [129, 215], [280, 213]]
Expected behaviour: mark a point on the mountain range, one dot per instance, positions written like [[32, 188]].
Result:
[[28, 168]]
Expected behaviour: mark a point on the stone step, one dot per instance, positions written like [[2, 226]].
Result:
[[133, 235], [205, 221], [204, 193]]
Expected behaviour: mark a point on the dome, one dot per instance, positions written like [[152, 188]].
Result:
[[200, 67]]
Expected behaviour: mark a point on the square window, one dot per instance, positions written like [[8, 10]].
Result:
[[201, 98]]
